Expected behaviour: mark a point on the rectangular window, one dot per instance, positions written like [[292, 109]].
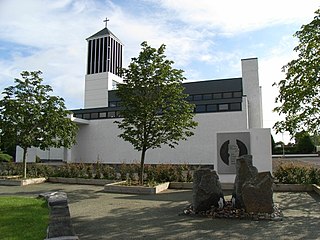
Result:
[[223, 107], [94, 115], [235, 106], [237, 94], [105, 48], [113, 69], [227, 95], [111, 114], [100, 54], [89, 64], [120, 59], [197, 97], [102, 115], [96, 65], [108, 55], [86, 115], [217, 95], [93, 61], [112, 104], [207, 96], [212, 108], [200, 108], [78, 115], [190, 98]]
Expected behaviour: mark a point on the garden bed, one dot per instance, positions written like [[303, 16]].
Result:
[[121, 187]]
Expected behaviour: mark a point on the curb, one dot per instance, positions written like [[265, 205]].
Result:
[[60, 227], [21, 182]]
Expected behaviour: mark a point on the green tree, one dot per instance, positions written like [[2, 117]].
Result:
[[155, 111], [30, 117], [304, 143], [299, 92]]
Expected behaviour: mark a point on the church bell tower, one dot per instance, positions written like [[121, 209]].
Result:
[[104, 61]]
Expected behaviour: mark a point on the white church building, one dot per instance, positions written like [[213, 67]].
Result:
[[228, 112]]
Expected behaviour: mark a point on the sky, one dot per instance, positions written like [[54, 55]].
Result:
[[205, 38]]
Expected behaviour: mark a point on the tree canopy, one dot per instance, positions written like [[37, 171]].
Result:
[[155, 111], [30, 117], [299, 92], [304, 143]]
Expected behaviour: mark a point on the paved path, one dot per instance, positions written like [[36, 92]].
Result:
[[99, 215]]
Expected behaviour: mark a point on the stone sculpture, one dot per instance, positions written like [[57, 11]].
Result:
[[257, 194], [207, 190], [252, 190], [245, 171]]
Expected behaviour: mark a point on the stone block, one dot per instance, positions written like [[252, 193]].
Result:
[[206, 190], [245, 172], [257, 194]]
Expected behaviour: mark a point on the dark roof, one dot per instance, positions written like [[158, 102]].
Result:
[[212, 86], [103, 32], [201, 93], [201, 87]]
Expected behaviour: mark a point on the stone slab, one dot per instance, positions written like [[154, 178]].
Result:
[[118, 188], [316, 188], [21, 182], [63, 238], [181, 185], [84, 181]]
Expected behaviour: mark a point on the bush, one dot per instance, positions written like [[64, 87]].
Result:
[[153, 173], [295, 174], [5, 157], [108, 172]]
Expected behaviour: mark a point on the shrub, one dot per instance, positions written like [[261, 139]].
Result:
[[108, 172], [5, 157], [129, 171], [296, 174], [153, 173]]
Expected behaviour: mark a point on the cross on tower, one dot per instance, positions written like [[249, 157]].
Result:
[[106, 21]]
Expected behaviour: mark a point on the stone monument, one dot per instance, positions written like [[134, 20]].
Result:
[[207, 190], [252, 190]]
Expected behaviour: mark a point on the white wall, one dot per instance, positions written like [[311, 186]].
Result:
[[99, 141], [96, 89], [251, 88], [53, 154]]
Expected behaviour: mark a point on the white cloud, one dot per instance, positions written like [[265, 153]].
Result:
[[55, 33], [232, 17], [270, 72]]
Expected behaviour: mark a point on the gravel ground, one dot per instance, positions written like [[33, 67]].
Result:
[[99, 215]]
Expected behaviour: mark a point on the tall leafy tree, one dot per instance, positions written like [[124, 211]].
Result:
[[155, 111], [30, 117], [299, 92], [304, 143]]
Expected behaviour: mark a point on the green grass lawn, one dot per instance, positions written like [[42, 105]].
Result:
[[23, 218]]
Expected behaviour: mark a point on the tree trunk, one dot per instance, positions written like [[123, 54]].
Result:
[[143, 154], [24, 162]]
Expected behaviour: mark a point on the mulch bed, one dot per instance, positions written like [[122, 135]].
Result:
[[229, 212]]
